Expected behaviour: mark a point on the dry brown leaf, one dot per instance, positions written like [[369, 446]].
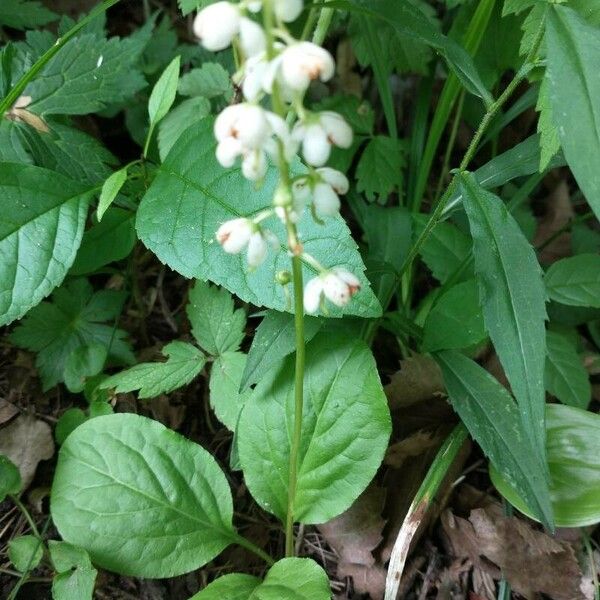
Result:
[[7, 411], [27, 441], [532, 561], [418, 379], [366, 580], [414, 445]]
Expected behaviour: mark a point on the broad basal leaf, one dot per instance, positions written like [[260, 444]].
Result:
[[346, 427], [573, 58], [152, 379], [192, 195], [513, 299], [75, 319], [216, 324], [287, 579], [573, 448], [75, 575], [141, 499], [21, 14], [274, 339], [575, 280], [492, 418], [41, 225], [566, 377]]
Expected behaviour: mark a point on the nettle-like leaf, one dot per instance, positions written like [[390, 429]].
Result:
[[152, 379], [346, 427], [513, 299], [211, 80], [23, 14], [379, 170], [549, 139], [88, 74], [216, 324], [40, 230], [190, 198], [566, 376], [492, 418], [575, 280], [287, 579], [573, 56], [139, 498], [73, 320]]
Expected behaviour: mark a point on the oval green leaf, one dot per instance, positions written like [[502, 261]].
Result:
[[140, 498], [575, 281]]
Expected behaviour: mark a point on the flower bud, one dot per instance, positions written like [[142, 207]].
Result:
[[283, 277], [325, 200], [235, 234], [304, 62], [257, 250], [254, 165], [339, 285], [285, 10], [216, 25], [244, 122], [336, 179], [252, 38], [319, 133], [313, 294]]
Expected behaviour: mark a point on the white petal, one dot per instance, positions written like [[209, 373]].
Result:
[[254, 74], [336, 179], [326, 201], [216, 25], [254, 165], [338, 131], [225, 122], [244, 122], [336, 290], [252, 37], [305, 62], [257, 249], [227, 151], [312, 295], [254, 5], [315, 146], [234, 235], [288, 10], [350, 278]]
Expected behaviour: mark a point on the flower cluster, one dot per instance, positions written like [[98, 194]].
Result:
[[273, 63]]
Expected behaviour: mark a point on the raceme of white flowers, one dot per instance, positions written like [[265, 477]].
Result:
[[253, 134]]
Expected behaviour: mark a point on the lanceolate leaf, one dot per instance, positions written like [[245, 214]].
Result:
[[513, 299], [346, 427], [158, 505], [575, 280], [164, 92], [492, 418], [192, 195], [573, 58], [41, 226]]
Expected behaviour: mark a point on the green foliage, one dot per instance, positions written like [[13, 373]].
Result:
[[113, 466], [23, 14], [164, 92], [575, 281], [192, 195], [25, 552], [75, 575], [513, 300], [217, 326], [379, 171], [10, 478], [183, 364], [74, 319], [346, 426], [211, 80], [492, 418], [110, 189], [549, 139]]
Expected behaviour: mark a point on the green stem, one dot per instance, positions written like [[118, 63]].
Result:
[[240, 540], [323, 24], [20, 86], [27, 516]]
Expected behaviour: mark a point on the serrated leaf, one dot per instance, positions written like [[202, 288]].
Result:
[[10, 478], [492, 418], [86, 75], [549, 140], [274, 339], [119, 466], [225, 397], [346, 426], [217, 326], [74, 319], [379, 170], [25, 552], [192, 195], [164, 92], [110, 189], [573, 56], [178, 121], [513, 300], [23, 14], [575, 281], [184, 363], [517, 6], [456, 320], [566, 377], [108, 241], [287, 579], [211, 80], [40, 230]]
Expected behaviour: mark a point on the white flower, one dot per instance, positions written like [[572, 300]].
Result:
[[255, 73], [254, 165], [234, 235], [217, 24], [252, 38], [304, 62], [326, 192], [285, 10], [338, 285], [319, 134], [244, 122], [336, 179], [257, 250]]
